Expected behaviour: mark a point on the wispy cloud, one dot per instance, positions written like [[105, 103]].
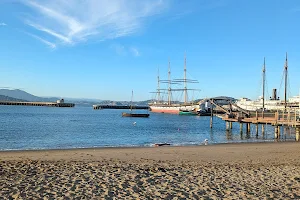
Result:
[[50, 44], [73, 21], [135, 51], [2, 24], [181, 10], [119, 49], [123, 50]]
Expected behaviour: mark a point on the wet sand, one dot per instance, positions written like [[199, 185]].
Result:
[[232, 171]]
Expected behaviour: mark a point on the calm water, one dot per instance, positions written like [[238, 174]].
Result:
[[25, 127]]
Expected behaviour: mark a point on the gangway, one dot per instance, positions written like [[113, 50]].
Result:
[[220, 107], [246, 112]]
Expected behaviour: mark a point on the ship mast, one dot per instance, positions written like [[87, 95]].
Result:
[[264, 82], [158, 88], [169, 85], [184, 80], [285, 81], [131, 101]]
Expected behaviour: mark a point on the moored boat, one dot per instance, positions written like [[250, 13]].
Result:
[[135, 114], [188, 112], [124, 114], [274, 103]]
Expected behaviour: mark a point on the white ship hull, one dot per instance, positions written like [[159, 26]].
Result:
[[172, 109], [271, 105]]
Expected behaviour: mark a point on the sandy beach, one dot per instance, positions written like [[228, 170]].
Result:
[[226, 171]]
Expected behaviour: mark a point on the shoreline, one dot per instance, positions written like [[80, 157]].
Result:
[[228, 150], [223, 171], [153, 146]]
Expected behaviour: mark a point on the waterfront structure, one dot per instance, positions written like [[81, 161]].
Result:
[[59, 103]]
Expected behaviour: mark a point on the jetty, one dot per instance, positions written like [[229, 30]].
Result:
[[98, 107], [277, 119], [58, 103]]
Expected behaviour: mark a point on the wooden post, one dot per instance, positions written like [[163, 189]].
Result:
[[227, 125], [289, 116], [241, 127], [262, 129], [248, 127], [276, 132], [256, 114], [211, 116], [256, 129], [297, 134], [295, 118], [230, 125]]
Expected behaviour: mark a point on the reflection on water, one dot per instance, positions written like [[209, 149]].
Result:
[[25, 127]]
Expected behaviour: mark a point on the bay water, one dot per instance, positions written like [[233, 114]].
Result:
[[26, 127]]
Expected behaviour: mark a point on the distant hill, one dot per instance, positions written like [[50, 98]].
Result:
[[6, 98], [20, 94]]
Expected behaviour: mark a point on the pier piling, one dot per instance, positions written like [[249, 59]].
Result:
[[297, 134], [227, 126], [211, 117], [241, 127], [256, 126], [248, 127], [262, 129], [277, 134]]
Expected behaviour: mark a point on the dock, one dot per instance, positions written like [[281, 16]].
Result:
[[98, 107], [59, 103], [288, 118]]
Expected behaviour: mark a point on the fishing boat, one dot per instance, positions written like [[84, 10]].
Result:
[[124, 114], [170, 106]]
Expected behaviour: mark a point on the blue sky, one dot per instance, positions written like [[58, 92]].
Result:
[[103, 49]]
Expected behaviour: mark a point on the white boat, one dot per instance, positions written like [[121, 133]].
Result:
[[274, 103]]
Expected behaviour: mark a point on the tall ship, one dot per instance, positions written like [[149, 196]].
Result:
[[274, 103], [169, 105]]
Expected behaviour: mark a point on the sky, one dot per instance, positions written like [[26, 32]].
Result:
[[104, 49]]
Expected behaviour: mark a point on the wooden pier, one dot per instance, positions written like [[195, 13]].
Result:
[[49, 104], [289, 118], [97, 107]]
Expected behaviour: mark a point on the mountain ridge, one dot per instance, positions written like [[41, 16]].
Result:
[[20, 95], [7, 98]]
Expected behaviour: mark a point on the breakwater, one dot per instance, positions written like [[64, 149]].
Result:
[[50, 104]]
